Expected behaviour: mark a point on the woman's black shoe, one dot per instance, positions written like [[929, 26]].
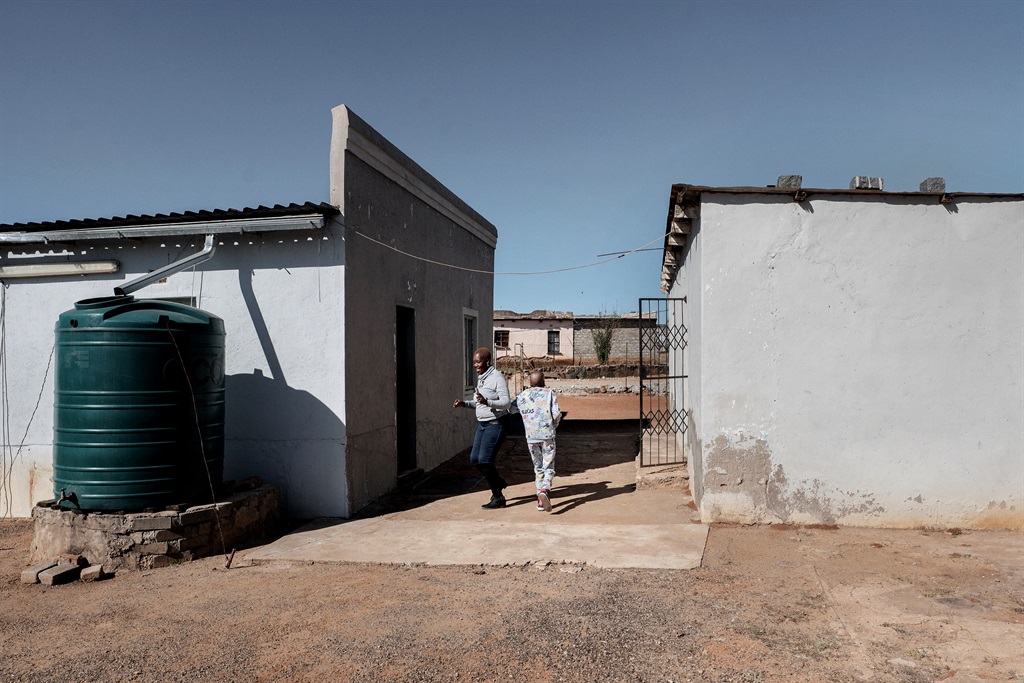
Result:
[[496, 502]]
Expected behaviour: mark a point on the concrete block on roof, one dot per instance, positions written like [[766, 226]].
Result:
[[933, 185], [789, 182], [866, 182]]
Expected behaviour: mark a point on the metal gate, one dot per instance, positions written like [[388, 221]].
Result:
[[664, 415]]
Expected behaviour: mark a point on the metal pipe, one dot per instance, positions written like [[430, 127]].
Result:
[[205, 254]]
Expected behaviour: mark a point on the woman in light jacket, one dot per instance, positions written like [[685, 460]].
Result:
[[492, 404]]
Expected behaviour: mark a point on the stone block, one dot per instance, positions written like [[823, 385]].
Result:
[[31, 575], [933, 185], [93, 573], [161, 535], [58, 574], [120, 545]]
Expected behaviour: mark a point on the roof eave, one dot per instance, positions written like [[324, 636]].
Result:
[[304, 221]]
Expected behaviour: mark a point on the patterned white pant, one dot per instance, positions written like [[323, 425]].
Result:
[[543, 455]]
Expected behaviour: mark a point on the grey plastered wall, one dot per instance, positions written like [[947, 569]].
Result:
[[861, 360], [386, 196]]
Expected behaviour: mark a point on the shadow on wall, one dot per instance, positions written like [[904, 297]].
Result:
[[287, 437]]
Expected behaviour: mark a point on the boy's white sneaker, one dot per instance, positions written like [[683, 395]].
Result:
[[543, 501]]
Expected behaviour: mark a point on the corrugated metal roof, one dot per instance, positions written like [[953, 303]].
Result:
[[278, 210]]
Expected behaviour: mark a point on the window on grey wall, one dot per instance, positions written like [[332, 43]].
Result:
[[469, 334], [553, 337], [501, 339]]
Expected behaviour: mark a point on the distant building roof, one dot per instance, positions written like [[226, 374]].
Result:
[[564, 315], [535, 315], [258, 219]]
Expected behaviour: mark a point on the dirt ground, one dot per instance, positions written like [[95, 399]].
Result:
[[768, 604], [772, 603], [597, 406]]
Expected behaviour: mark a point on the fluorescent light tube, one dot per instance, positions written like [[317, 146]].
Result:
[[9, 272]]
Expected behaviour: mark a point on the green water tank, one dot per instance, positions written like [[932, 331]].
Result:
[[138, 405]]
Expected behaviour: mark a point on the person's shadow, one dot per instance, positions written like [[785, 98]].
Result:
[[577, 494]]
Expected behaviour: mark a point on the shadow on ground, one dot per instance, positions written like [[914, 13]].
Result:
[[582, 445]]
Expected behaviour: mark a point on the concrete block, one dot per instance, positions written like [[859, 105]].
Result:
[[198, 515], [933, 185], [153, 522], [61, 573], [93, 573], [245, 516], [154, 548], [31, 575], [192, 542], [789, 182], [72, 558]]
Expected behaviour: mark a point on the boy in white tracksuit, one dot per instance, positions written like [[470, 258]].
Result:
[[538, 406]]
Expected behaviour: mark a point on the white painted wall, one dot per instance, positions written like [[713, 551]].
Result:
[[281, 296], [687, 285], [858, 360]]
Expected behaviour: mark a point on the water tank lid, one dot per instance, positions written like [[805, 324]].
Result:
[[128, 312]]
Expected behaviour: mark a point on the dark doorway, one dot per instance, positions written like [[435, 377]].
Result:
[[405, 388]]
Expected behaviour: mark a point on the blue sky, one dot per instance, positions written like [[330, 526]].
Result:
[[564, 123]]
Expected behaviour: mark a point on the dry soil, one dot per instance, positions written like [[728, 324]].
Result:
[[768, 604]]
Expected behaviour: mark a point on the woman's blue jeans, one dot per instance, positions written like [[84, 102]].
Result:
[[488, 439]]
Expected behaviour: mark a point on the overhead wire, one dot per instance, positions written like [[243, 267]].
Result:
[[508, 272]]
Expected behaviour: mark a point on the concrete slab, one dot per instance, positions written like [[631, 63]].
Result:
[[598, 516], [412, 541]]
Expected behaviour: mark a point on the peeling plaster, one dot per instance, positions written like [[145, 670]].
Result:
[[735, 478], [814, 499], [742, 485]]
